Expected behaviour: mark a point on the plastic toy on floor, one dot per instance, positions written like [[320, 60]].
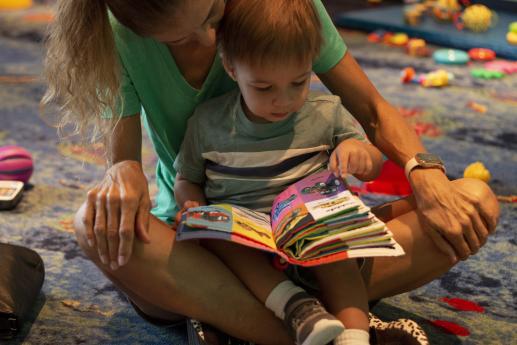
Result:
[[15, 163], [506, 67], [482, 73], [478, 171], [391, 180], [15, 4], [477, 18], [511, 36], [481, 54], [438, 78], [451, 57], [417, 47]]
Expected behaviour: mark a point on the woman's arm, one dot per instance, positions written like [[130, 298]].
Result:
[[458, 224], [121, 200]]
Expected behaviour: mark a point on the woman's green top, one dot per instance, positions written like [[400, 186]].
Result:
[[153, 86]]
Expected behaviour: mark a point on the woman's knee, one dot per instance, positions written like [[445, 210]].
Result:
[[483, 196], [80, 226]]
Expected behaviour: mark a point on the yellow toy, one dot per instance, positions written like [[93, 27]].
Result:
[[511, 36], [15, 4], [478, 18], [446, 9], [417, 47], [478, 171], [436, 78], [399, 39]]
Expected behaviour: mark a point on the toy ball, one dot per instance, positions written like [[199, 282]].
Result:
[[478, 18], [478, 171], [511, 37], [451, 57], [15, 4], [15, 163], [512, 27]]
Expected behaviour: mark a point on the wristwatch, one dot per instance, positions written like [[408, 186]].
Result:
[[424, 160]]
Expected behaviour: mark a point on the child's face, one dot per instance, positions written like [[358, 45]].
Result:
[[272, 93]]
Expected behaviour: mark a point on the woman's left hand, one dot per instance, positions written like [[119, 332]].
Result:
[[457, 220]]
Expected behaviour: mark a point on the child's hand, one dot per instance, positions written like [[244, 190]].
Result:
[[188, 204], [355, 157]]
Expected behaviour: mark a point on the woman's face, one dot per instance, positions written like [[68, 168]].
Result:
[[194, 22]]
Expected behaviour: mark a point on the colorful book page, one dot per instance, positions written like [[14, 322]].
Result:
[[236, 221], [253, 225]]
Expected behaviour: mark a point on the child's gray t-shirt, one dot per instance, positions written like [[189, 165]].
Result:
[[245, 163]]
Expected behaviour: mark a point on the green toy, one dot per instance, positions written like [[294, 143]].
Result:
[[481, 73]]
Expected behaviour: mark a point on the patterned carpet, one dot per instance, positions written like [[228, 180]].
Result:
[[474, 303]]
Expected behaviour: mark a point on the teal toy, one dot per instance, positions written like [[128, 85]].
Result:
[[451, 57]]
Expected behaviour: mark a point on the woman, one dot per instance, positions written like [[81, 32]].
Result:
[[157, 60]]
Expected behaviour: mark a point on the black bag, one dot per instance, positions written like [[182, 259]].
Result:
[[21, 277]]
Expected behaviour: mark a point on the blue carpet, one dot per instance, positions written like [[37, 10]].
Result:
[[79, 306], [391, 19]]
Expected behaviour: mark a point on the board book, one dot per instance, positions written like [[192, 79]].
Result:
[[314, 221]]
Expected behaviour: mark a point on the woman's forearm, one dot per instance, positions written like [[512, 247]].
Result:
[[125, 143], [384, 125]]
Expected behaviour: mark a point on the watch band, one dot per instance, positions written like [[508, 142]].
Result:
[[413, 163]]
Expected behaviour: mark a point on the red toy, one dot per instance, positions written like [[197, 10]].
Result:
[[481, 54], [392, 180]]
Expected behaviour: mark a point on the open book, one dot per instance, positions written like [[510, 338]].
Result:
[[314, 221]]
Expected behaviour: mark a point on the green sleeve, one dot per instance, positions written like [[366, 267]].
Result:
[[190, 163], [129, 101], [346, 126], [333, 48]]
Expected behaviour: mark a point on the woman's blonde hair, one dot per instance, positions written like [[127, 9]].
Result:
[[266, 31], [82, 66]]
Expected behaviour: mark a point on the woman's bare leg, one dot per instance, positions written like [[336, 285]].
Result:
[[423, 261], [190, 281]]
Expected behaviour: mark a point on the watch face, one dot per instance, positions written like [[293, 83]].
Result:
[[428, 159]]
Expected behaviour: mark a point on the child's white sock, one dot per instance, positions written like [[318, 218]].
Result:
[[280, 295], [353, 337]]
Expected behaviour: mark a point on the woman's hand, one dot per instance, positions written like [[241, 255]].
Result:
[[457, 218], [116, 209], [188, 204], [357, 158]]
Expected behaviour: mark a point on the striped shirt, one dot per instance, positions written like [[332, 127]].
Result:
[[245, 163]]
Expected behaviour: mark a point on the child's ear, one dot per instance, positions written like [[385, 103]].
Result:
[[228, 67]]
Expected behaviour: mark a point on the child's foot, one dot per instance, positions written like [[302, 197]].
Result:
[[401, 331], [308, 322]]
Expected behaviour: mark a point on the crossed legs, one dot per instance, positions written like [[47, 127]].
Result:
[[165, 278]]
